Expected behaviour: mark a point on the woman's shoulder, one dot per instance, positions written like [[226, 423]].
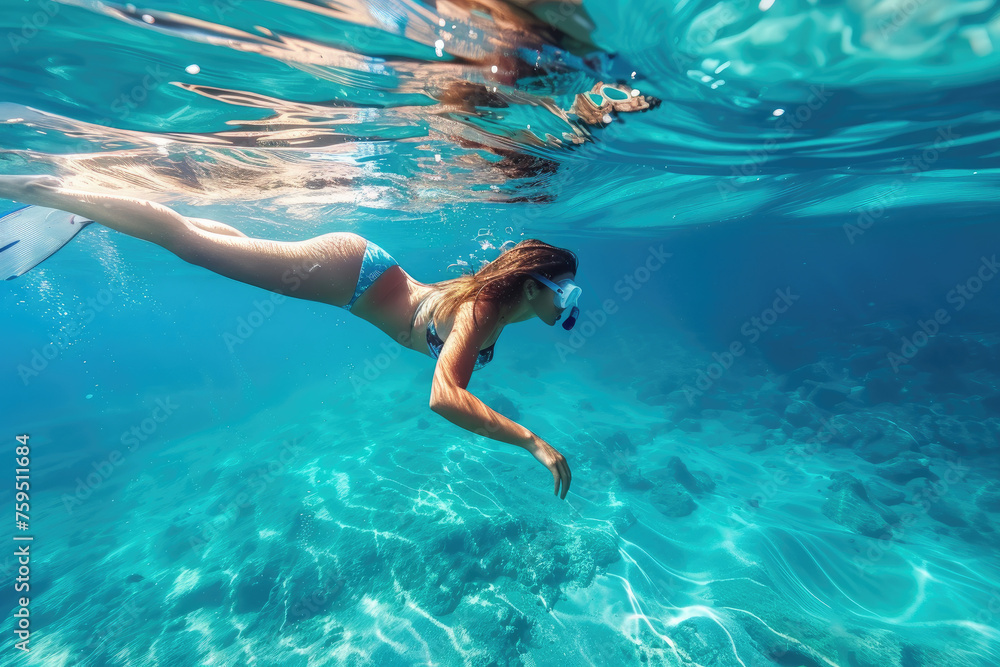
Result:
[[481, 317], [481, 312]]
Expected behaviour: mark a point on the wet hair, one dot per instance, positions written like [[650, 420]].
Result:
[[500, 282]]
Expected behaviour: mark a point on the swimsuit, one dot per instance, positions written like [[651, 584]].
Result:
[[434, 342], [375, 263]]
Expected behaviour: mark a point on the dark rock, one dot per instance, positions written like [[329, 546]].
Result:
[[600, 546], [768, 420], [910, 656], [653, 392], [814, 372], [865, 360], [966, 437], [883, 386], [981, 523], [134, 578], [209, 594], [902, 471], [631, 478], [704, 480], [946, 513], [849, 506], [884, 494], [883, 335], [943, 353], [798, 415], [620, 442], [988, 497], [773, 401], [937, 451], [858, 427], [803, 434], [946, 380], [690, 425], [786, 353], [844, 480], [672, 500], [759, 443], [697, 483], [514, 626], [828, 396], [888, 446], [306, 599], [992, 403], [253, 592], [773, 438]]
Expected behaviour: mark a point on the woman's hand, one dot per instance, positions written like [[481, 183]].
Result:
[[554, 461]]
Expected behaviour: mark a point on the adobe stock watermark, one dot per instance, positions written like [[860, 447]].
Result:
[[788, 123], [796, 457], [932, 493], [73, 329], [752, 330], [132, 440], [890, 24], [962, 294], [263, 310], [621, 467], [32, 23], [627, 287], [915, 165], [261, 477], [375, 366], [124, 104], [316, 602]]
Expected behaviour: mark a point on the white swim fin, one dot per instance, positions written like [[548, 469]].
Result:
[[30, 234]]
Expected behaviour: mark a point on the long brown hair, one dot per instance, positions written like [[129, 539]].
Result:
[[500, 282]]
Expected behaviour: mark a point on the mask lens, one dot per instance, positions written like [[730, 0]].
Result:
[[570, 294]]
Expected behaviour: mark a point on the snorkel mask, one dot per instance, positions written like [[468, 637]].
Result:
[[567, 294]]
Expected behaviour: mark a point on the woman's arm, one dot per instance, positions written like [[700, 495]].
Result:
[[463, 409], [451, 399]]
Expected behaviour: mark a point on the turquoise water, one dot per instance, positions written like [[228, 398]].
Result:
[[780, 407]]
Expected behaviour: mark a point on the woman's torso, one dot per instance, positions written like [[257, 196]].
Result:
[[403, 307]]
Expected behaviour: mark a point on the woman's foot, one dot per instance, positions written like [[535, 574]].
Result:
[[31, 189]]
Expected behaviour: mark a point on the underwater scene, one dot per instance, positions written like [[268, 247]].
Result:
[[761, 238]]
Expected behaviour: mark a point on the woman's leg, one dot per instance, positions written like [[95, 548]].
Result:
[[215, 227], [324, 268]]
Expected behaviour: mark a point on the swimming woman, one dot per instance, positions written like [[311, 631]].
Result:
[[456, 321]]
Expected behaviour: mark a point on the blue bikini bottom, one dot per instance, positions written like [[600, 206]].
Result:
[[375, 263]]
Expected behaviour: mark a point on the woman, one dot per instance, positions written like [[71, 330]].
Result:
[[456, 321]]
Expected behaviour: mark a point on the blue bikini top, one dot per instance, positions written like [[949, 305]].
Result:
[[435, 344]]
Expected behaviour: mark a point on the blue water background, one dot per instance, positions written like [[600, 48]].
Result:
[[340, 555]]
